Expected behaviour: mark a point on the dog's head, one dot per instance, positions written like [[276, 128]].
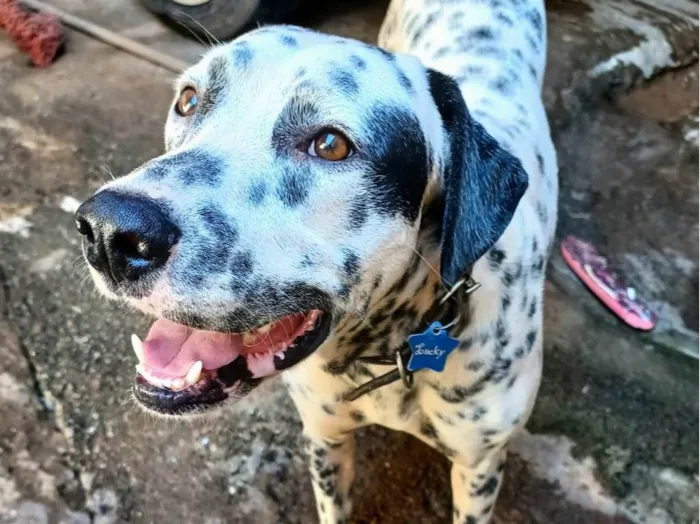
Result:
[[296, 171]]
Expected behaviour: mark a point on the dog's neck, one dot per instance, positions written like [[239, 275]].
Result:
[[398, 310]]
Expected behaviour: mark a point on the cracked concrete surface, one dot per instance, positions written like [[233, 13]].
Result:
[[614, 435]]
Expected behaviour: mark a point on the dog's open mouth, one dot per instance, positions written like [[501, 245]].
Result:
[[182, 369]]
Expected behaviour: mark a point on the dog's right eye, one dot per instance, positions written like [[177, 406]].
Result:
[[186, 103]]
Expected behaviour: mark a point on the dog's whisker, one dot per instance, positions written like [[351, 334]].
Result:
[[205, 44], [213, 39]]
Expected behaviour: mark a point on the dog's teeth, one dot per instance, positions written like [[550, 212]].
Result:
[[138, 347], [177, 383], [194, 373], [280, 355], [140, 369], [265, 329]]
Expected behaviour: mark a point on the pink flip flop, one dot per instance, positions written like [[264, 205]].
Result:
[[595, 272]]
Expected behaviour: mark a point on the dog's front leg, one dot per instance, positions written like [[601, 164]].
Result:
[[474, 489], [332, 464]]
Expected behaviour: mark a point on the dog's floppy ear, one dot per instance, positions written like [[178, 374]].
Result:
[[483, 183]]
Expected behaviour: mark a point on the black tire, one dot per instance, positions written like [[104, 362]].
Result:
[[224, 19]]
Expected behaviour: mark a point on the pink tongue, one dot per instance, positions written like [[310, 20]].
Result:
[[170, 349]]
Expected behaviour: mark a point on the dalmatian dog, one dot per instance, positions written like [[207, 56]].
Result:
[[318, 199]]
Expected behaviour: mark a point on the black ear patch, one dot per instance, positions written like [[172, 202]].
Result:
[[483, 182]]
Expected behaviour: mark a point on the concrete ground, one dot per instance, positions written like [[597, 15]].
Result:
[[615, 432]]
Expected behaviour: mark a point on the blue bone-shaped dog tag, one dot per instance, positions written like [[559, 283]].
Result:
[[430, 349]]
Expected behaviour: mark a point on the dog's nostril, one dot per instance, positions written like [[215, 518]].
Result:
[[84, 229], [130, 246]]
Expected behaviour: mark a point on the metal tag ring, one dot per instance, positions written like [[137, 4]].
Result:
[[406, 376]]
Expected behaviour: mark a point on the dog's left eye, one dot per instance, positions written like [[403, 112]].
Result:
[[186, 103], [331, 145]]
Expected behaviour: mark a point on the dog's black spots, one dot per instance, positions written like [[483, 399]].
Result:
[[398, 160], [530, 341], [379, 317], [194, 166], [344, 290], [241, 264], [505, 302], [533, 308], [474, 71], [218, 225], [301, 73], [242, 55], [329, 471], [479, 413], [534, 17], [489, 432], [535, 245], [488, 488], [503, 85], [505, 19], [442, 418], [442, 53], [358, 213], [523, 303], [491, 51], [358, 62], [308, 260], [484, 338], [294, 185], [501, 466], [328, 409], [538, 265], [515, 421], [466, 344], [500, 370], [487, 510], [496, 258], [482, 33], [406, 83], [300, 112], [511, 381], [428, 430], [357, 416], [540, 162], [455, 22], [215, 87], [459, 394], [289, 41], [444, 449], [210, 257], [508, 279], [542, 213], [257, 192], [351, 266], [475, 365], [421, 29], [408, 403], [386, 54], [344, 81], [500, 332], [202, 169], [533, 71], [519, 353]]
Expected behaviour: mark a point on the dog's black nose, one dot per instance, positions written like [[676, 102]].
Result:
[[125, 236]]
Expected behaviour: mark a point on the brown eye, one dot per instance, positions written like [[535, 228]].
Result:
[[187, 102], [330, 145]]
